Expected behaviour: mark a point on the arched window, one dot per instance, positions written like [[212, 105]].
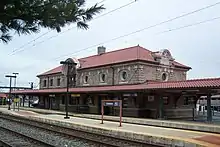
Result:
[[124, 75], [164, 76], [86, 79], [102, 77]]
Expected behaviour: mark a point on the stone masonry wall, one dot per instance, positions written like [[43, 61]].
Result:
[[54, 77], [137, 72], [132, 70]]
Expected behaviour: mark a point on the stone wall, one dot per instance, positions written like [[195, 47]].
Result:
[[155, 72], [127, 73], [55, 78], [113, 75]]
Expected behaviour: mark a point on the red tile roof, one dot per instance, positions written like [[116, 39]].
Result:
[[53, 71], [195, 83], [3, 95], [187, 84], [117, 56]]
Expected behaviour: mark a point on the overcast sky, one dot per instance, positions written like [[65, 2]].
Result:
[[196, 46]]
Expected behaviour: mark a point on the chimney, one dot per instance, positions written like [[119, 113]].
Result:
[[101, 50]]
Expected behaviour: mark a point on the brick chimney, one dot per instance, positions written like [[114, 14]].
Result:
[[101, 50]]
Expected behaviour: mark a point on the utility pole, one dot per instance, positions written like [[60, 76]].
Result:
[[10, 80]]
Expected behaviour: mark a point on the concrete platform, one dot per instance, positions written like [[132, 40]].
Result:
[[195, 126], [143, 133]]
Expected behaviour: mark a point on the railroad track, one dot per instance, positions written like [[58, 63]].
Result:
[[9, 138], [65, 137]]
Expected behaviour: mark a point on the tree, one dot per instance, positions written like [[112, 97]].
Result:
[[28, 16]]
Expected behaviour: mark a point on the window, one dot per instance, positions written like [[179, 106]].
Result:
[[51, 82], [58, 82], [86, 78], [44, 83], [124, 75], [102, 77], [164, 77]]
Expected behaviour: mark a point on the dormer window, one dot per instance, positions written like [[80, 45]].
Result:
[[163, 56]]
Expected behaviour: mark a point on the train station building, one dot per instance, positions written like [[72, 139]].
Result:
[[150, 85]]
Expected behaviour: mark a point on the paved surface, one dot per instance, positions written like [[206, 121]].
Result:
[[205, 139], [190, 125]]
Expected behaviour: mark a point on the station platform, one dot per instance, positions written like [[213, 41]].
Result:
[[152, 134], [186, 125]]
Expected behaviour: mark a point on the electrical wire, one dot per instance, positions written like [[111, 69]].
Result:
[[170, 30], [190, 25], [101, 1], [95, 45], [179, 28], [24, 45], [140, 30], [29, 42]]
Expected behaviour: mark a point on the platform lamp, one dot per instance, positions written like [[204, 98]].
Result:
[[68, 68], [15, 74], [10, 80]]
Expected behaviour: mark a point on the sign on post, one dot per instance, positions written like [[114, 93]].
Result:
[[112, 103]]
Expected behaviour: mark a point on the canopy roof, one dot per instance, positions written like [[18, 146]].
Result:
[[211, 83]]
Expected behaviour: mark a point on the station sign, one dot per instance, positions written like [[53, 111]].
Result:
[[130, 94], [113, 104], [75, 95], [52, 95], [16, 100]]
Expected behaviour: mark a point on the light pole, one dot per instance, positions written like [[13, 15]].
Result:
[[15, 74], [10, 80], [68, 63]]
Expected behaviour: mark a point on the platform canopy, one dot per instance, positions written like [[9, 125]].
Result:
[[3, 95], [201, 85]]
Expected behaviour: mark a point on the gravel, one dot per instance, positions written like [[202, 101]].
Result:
[[49, 137]]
